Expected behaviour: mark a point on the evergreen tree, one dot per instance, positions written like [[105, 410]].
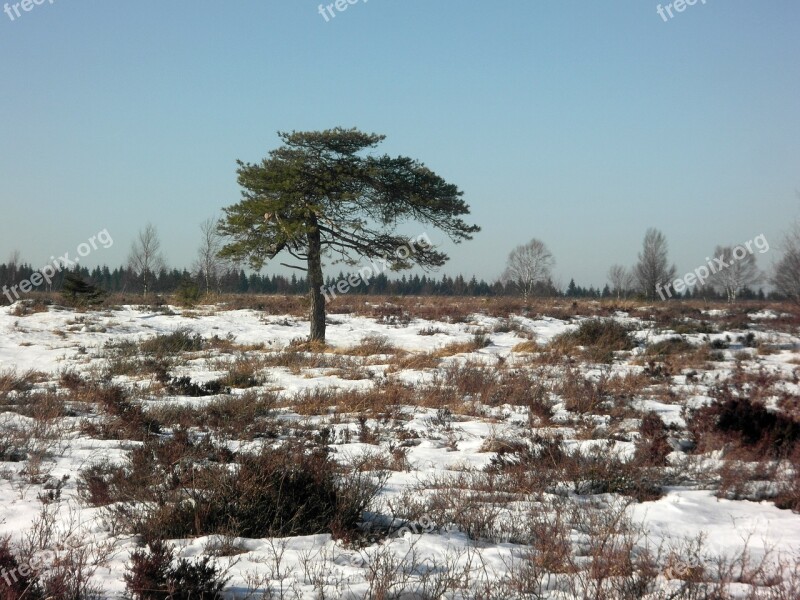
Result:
[[76, 290], [318, 194], [572, 289]]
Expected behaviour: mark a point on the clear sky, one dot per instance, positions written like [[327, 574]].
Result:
[[581, 123]]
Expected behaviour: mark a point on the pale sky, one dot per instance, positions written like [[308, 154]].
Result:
[[579, 123]]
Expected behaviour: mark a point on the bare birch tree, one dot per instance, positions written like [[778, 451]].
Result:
[[740, 271], [145, 259], [209, 264], [653, 269], [621, 280], [528, 265], [786, 275]]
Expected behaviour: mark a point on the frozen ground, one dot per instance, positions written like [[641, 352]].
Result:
[[436, 441]]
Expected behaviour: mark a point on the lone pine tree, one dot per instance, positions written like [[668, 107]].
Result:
[[320, 194]]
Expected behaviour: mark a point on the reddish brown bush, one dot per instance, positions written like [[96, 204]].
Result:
[[745, 426], [652, 446]]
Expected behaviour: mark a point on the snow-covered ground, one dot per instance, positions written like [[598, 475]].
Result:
[[60, 341]]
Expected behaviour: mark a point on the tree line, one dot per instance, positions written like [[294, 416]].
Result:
[[125, 280], [731, 274]]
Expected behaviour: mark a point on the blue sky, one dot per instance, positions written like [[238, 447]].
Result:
[[579, 123]]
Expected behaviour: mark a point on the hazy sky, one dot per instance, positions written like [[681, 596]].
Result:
[[579, 123]]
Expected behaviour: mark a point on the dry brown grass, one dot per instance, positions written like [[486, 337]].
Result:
[[245, 416], [455, 348], [12, 381], [298, 360], [627, 386], [373, 401], [595, 340], [306, 345], [370, 345], [478, 341], [529, 346], [414, 361]]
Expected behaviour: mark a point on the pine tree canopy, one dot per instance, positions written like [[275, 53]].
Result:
[[322, 182], [322, 194]]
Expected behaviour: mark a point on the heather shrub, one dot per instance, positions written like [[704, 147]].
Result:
[[652, 447], [182, 488], [675, 345], [599, 338], [744, 426], [184, 386], [180, 340], [123, 418], [14, 583], [153, 576]]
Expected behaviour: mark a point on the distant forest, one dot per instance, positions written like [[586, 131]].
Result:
[[237, 281]]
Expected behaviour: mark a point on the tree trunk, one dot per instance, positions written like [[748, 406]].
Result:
[[315, 283]]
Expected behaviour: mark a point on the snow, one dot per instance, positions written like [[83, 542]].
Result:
[[726, 524], [54, 341]]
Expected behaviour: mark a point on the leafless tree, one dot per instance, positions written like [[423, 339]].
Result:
[[209, 264], [145, 259], [786, 276], [653, 269], [528, 265], [621, 280], [741, 271]]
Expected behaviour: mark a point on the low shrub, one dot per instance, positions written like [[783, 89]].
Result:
[[16, 583], [124, 419], [180, 340], [652, 447], [788, 497], [601, 471], [184, 386], [545, 465], [582, 394], [431, 330], [676, 345], [690, 326], [745, 426], [371, 345], [24, 577], [719, 344], [178, 488], [11, 381], [599, 338], [243, 373], [152, 576]]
